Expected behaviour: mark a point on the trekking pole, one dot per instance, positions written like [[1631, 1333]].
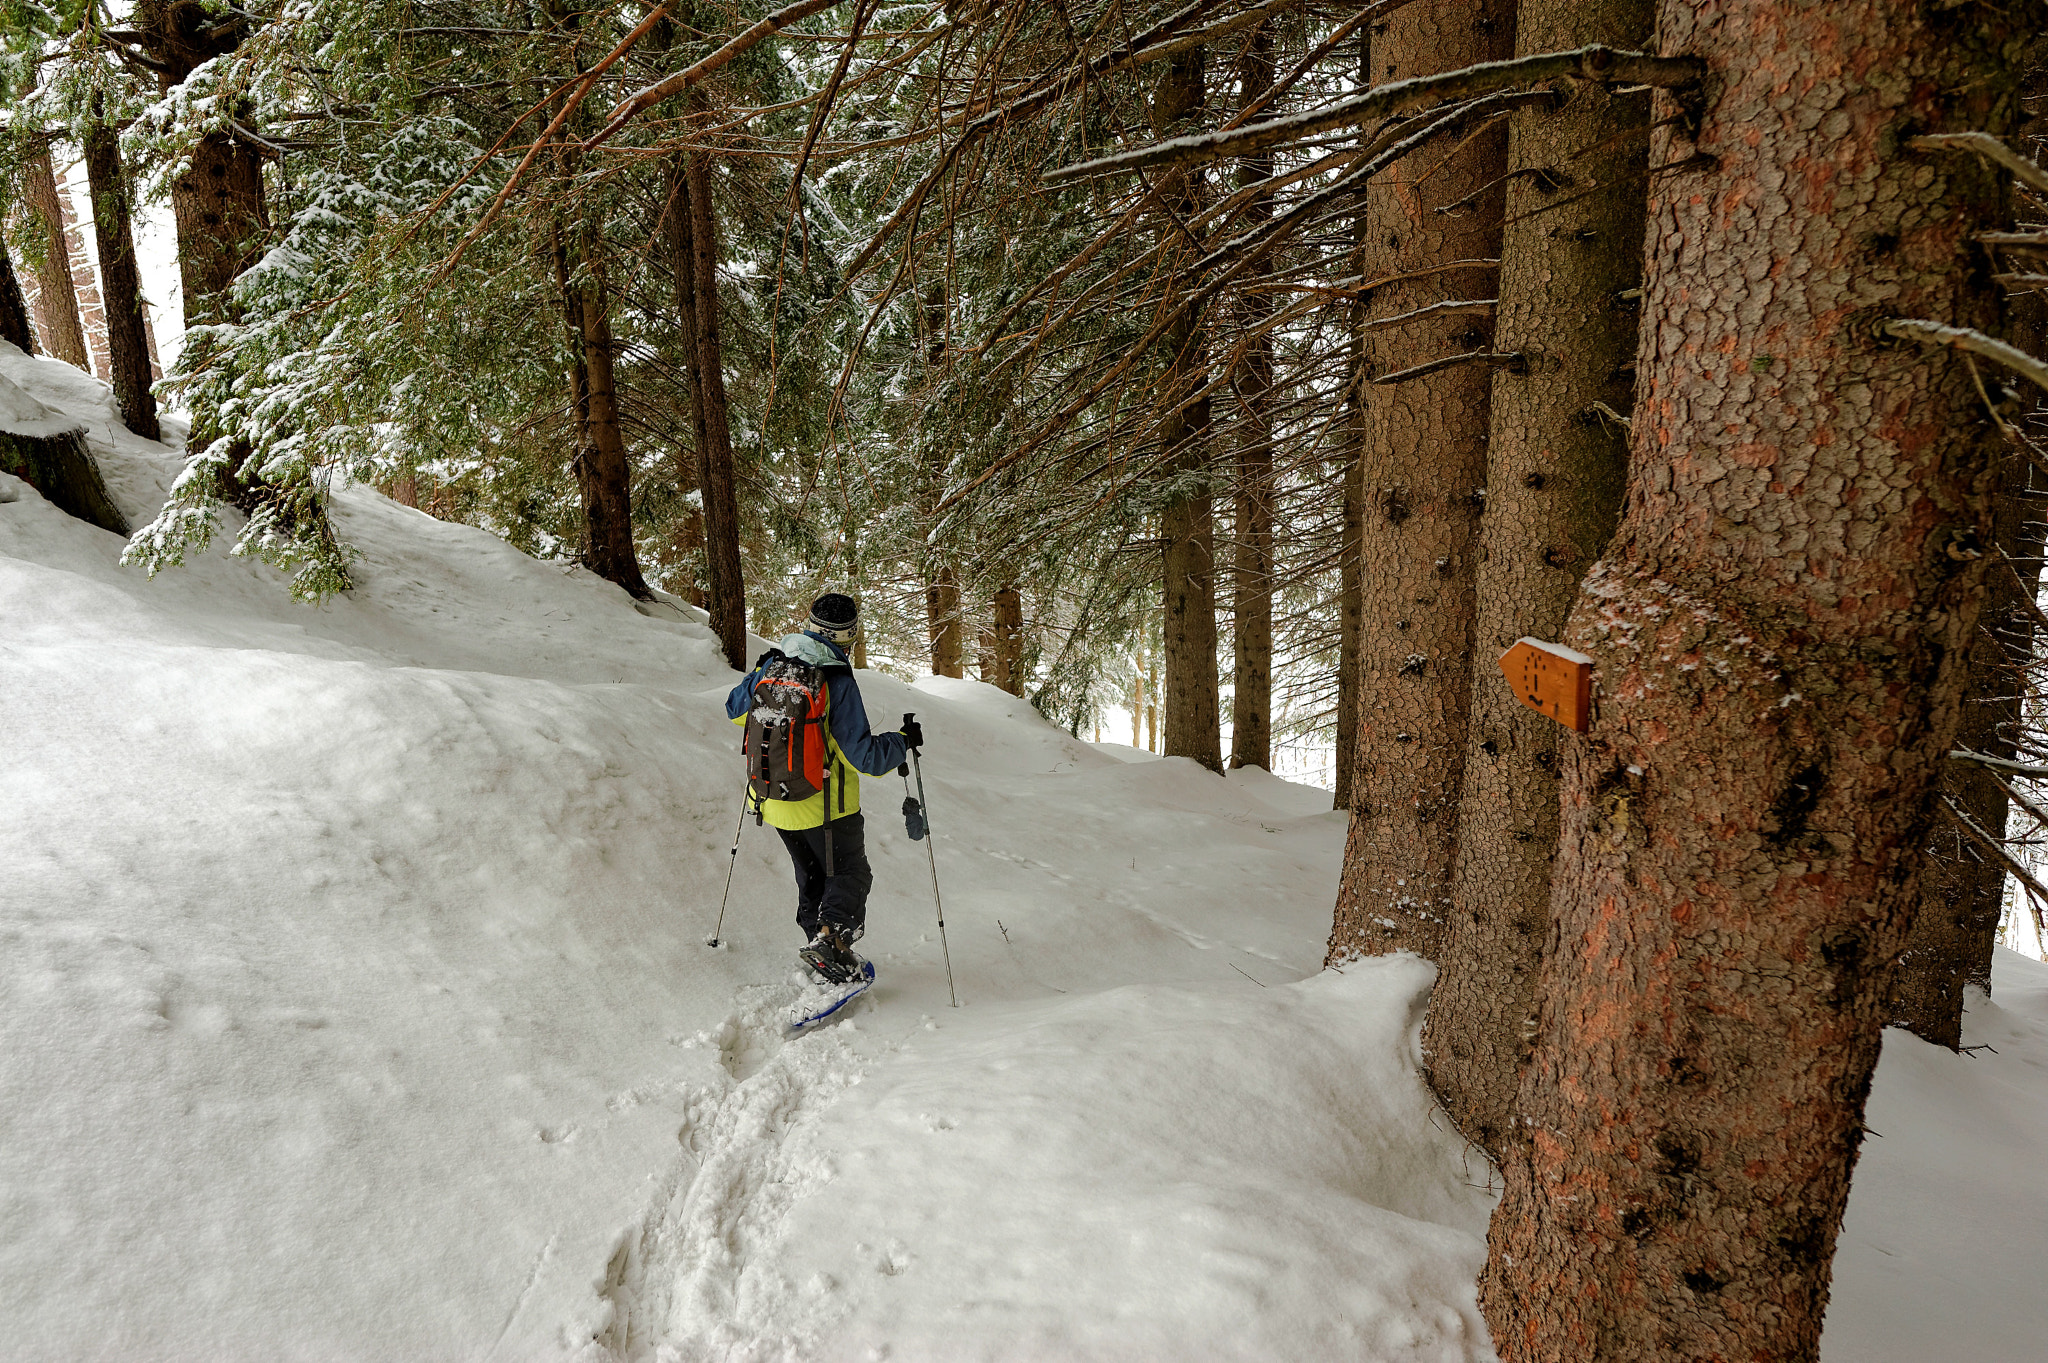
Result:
[[926, 820], [737, 829]]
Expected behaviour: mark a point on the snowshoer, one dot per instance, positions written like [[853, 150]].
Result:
[[821, 826]]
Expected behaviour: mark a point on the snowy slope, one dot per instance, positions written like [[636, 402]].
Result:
[[353, 1005]]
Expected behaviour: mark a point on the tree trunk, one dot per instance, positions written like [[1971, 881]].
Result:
[[604, 474], [15, 327], [1556, 469], [1424, 475], [1251, 705], [1350, 576], [725, 592], [1194, 725], [56, 294], [1009, 640], [1779, 633], [120, 283], [1962, 894], [942, 621], [1351, 497], [1962, 891], [218, 204], [579, 368]]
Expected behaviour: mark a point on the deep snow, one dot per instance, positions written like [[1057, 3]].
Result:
[[354, 1004]]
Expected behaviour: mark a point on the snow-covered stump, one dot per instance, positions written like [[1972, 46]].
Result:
[[48, 453]]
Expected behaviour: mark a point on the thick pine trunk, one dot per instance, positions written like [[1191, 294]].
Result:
[[1557, 460], [604, 474], [1009, 640], [942, 621], [15, 327], [1187, 521], [725, 590], [1779, 633], [1424, 479], [1251, 705], [56, 294], [121, 283]]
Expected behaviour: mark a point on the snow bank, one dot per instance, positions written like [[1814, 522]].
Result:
[[1143, 1173]]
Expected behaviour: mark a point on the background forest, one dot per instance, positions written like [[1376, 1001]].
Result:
[[1255, 372]]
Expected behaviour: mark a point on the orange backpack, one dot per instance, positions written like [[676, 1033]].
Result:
[[785, 737]]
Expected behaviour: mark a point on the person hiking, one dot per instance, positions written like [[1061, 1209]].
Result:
[[822, 829]]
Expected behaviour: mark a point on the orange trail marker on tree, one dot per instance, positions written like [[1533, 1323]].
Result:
[[1551, 680]]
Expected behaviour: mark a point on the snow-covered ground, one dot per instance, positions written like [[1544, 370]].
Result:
[[354, 1005]]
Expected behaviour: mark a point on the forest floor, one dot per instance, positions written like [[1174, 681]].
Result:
[[354, 1003]]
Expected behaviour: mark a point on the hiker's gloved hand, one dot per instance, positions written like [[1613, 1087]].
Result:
[[913, 734]]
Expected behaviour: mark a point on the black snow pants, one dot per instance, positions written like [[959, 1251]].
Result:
[[841, 898]]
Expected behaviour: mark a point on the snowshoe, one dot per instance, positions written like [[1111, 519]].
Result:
[[828, 1004]]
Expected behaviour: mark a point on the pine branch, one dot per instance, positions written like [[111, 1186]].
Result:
[[1505, 359]]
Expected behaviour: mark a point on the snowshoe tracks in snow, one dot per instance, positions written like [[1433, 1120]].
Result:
[[694, 1282]]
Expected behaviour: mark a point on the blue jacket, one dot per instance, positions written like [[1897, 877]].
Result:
[[854, 747]]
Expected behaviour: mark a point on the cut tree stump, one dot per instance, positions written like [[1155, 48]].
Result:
[[38, 447]]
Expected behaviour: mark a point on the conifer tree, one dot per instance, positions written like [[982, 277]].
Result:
[[1779, 631], [1570, 267], [1432, 236]]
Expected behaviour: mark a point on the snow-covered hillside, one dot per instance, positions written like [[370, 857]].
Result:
[[354, 1005]]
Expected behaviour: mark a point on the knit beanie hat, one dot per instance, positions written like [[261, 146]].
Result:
[[835, 617]]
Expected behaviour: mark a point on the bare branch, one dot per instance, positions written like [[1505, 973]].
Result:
[[1988, 843], [1979, 759], [1473, 307], [1504, 359], [1596, 63], [1972, 342], [1988, 147]]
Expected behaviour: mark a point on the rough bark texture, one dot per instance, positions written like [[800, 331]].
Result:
[[1187, 528], [15, 326], [121, 283], [1251, 705], [1424, 474], [942, 621], [61, 468], [56, 295], [218, 204], [1556, 467], [1779, 633], [1009, 640], [725, 588], [603, 473]]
